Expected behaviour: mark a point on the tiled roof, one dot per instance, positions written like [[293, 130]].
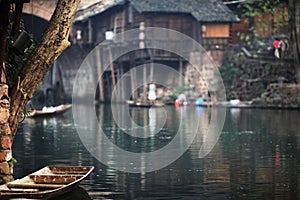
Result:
[[84, 12], [202, 10], [87, 3]]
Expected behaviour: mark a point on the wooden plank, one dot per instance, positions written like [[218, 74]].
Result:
[[69, 170], [55, 179], [216, 30], [33, 186]]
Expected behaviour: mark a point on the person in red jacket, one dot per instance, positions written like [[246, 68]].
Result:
[[276, 45]]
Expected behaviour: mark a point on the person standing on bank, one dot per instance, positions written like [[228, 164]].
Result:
[[151, 93], [212, 90], [283, 47], [276, 48]]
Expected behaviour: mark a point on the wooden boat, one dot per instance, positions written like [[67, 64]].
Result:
[[50, 111], [144, 104], [48, 182], [236, 104], [228, 104]]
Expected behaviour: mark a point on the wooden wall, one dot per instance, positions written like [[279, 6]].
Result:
[[125, 17], [263, 25], [239, 28], [215, 36], [183, 23], [215, 30]]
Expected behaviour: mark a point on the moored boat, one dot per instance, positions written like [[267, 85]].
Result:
[[50, 111], [145, 104], [48, 182], [227, 104]]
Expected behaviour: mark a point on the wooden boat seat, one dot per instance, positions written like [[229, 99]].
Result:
[[55, 179], [33, 186]]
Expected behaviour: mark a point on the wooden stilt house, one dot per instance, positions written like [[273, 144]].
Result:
[[206, 21]]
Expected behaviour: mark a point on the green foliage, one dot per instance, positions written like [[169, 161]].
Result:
[[25, 114], [259, 9], [22, 24], [12, 162], [16, 62], [268, 68], [182, 90], [229, 71], [174, 95]]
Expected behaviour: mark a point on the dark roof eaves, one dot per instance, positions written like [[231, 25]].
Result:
[[102, 8], [85, 15]]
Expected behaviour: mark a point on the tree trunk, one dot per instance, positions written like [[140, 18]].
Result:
[[294, 12], [54, 41]]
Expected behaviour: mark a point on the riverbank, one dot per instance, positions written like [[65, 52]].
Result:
[[280, 96], [267, 83]]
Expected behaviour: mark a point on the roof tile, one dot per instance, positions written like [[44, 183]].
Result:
[[202, 10]]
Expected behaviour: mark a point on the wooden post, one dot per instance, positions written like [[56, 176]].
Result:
[[133, 76], [122, 92], [100, 70], [145, 81], [108, 85], [133, 83], [181, 73], [151, 71], [112, 67], [121, 87]]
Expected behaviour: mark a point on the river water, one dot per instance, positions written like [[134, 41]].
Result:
[[255, 156]]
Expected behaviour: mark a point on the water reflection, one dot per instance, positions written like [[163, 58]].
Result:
[[77, 194], [255, 157]]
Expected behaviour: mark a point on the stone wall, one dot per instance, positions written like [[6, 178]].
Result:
[[5, 136], [200, 74], [247, 79], [280, 96]]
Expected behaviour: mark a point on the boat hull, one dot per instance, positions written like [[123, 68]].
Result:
[[45, 183], [50, 112]]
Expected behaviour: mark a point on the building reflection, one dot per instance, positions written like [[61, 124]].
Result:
[[244, 163]]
